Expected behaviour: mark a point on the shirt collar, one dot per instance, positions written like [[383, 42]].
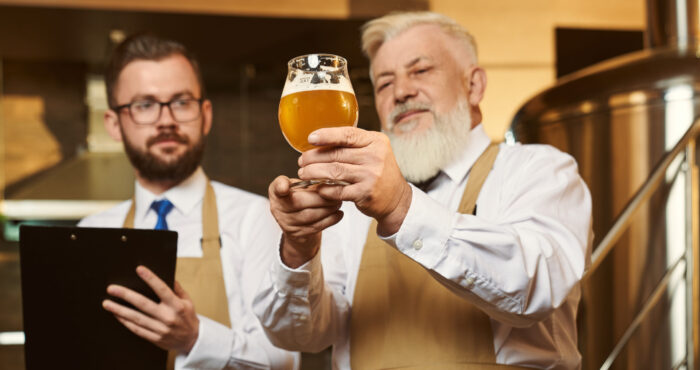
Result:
[[476, 143], [185, 196]]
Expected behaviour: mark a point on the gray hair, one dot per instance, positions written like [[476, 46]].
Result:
[[377, 31]]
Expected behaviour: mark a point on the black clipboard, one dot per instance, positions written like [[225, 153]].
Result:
[[65, 272]]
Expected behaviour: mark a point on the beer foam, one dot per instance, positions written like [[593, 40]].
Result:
[[303, 83]]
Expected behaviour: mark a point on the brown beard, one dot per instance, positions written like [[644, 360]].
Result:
[[155, 169]]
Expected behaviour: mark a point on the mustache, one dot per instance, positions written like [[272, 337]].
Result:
[[402, 108], [167, 136]]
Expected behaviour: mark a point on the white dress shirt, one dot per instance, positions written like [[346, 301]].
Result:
[[520, 259], [248, 234]]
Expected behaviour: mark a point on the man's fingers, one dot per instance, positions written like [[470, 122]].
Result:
[[309, 215], [336, 171], [161, 289], [180, 291], [349, 137], [315, 227], [341, 193], [330, 154], [133, 316], [141, 332], [327, 222], [136, 299], [300, 199], [279, 187], [373, 148]]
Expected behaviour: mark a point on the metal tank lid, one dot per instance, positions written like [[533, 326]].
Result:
[[639, 78]]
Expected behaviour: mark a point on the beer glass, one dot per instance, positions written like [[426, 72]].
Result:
[[317, 93]]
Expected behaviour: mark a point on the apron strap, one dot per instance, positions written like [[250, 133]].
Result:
[[211, 240], [202, 278], [478, 174]]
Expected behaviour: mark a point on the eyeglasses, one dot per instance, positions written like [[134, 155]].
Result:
[[148, 112]]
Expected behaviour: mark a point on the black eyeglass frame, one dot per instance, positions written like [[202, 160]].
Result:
[[160, 109]]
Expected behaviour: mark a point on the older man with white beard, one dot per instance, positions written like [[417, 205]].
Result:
[[416, 275]]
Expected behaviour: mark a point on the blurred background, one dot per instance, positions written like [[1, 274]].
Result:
[[619, 119]]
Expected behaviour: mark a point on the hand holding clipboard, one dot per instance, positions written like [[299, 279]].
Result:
[[171, 323]]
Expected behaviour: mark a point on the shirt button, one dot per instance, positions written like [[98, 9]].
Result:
[[469, 282], [417, 244]]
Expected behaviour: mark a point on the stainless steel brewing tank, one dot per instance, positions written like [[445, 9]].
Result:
[[617, 119]]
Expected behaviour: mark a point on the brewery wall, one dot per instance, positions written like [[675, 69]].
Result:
[[52, 54], [516, 43]]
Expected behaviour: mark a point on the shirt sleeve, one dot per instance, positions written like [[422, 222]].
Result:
[[520, 257], [220, 347], [298, 308], [244, 345]]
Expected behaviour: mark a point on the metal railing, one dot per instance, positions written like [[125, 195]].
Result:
[[689, 260]]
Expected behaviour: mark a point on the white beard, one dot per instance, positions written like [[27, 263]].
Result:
[[421, 156]]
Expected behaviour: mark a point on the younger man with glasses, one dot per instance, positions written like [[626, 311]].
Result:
[[159, 111]]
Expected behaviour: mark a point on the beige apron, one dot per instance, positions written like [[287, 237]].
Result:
[[202, 278], [402, 318]]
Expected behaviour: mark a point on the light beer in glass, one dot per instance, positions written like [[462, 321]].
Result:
[[317, 93]]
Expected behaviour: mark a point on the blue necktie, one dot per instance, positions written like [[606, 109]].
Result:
[[162, 208]]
